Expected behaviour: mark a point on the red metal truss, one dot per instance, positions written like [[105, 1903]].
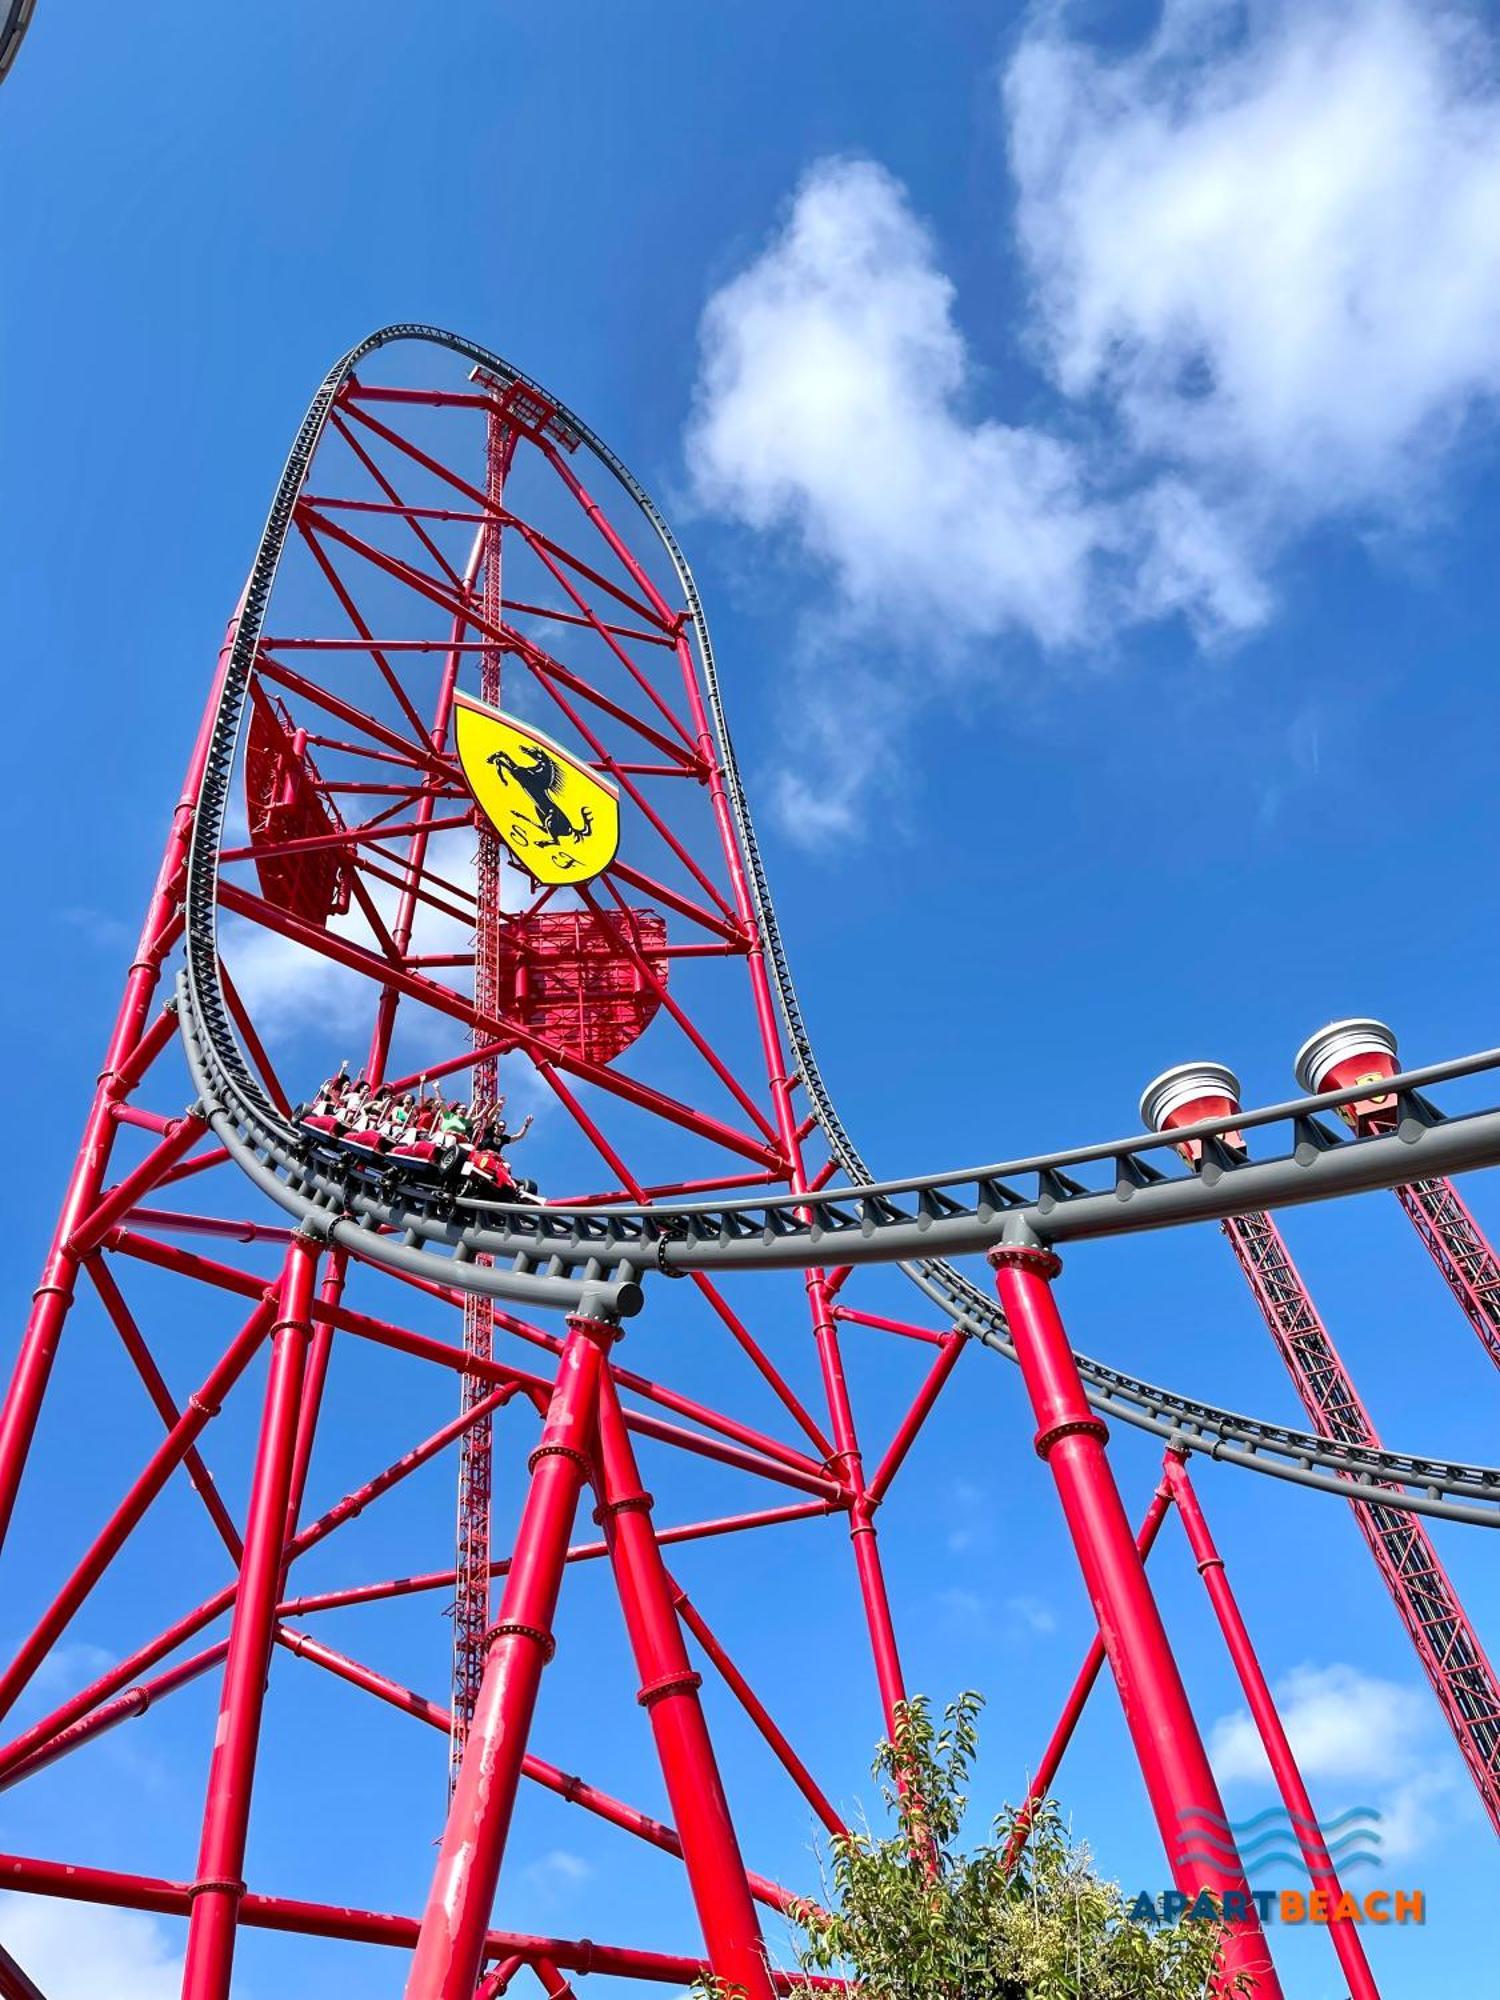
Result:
[[638, 1020], [1445, 1642], [1461, 1251], [471, 1596]]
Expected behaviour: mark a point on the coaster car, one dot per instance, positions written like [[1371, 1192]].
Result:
[[439, 1160]]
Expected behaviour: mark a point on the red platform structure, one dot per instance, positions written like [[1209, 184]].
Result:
[[442, 533], [1444, 1640]]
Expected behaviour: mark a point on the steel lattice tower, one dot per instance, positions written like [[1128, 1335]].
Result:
[[471, 1596], [1426, 1601]]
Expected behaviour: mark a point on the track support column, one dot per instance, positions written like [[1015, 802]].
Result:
[[218, 1885], [450, 1947], [1346, 1942], [669, 1694], [1071, 1439]]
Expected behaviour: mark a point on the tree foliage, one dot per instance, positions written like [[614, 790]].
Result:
[[912, 1916]]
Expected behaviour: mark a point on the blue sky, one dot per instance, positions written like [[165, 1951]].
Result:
[[1083, 432]]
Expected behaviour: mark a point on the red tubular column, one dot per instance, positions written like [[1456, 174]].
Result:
[[1346, 1943], [54, 1295], [669, 1694], [1071, 1438], [218, 1886], [450, 1947]]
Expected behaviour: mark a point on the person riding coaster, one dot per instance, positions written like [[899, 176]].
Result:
[[453, 1146]]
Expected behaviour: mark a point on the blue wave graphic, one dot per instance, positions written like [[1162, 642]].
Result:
[[1276, 1843], [1280, 1857], [1273, 1838], [1357, 1836]]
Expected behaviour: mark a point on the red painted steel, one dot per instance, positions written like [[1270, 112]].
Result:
[[1078, 1697], [54, 1295], [1429, 1607], [471, 1596], [1435, 1208], [576, 976], [288, 807], [1461, 1251], [1445, 1642], [219, 1884], [669, 1694], [450, 1950], [1294, 1795], [119, 1890], [1071, 1439]]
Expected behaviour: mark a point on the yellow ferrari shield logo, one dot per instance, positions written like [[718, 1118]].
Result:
[[560, 820]]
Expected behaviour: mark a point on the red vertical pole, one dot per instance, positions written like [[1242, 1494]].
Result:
[[450, 1946], [669, 1694], [1294, 1796], [1071, 1438], [54, 1295], [218, 1885]]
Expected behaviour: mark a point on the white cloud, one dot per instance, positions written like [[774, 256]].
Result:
[[1370, 1740], [1273, 252], [288, 989], [964, 1607], [1264, 288], [831, 402], [832, 405], [1342, 1723], [554, 1877], [78, 1951]]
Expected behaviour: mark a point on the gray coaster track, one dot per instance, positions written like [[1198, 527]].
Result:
[[15, 19], [594, 1257]]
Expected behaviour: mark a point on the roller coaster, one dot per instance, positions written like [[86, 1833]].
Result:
[[433, 526]]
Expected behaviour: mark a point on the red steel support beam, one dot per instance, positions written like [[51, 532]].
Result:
[[669, 1694], [1071, 1439], [1346, 1942], [132, 1045], [1427, 1604], [15, 1982], [450, 1950], [219, 1886], [757, 1711], [953, 1345], [77, 1884], [156, 1388], [107, 1544], [1426, 1601], [1461, 1251]]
